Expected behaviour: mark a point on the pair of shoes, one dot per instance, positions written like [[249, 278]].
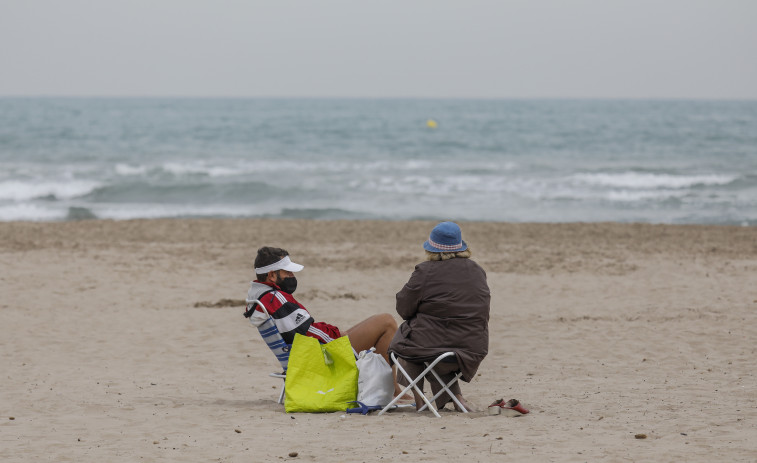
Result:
[[511, 408]]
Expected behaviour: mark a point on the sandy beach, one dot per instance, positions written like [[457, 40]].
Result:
[[124, 341]]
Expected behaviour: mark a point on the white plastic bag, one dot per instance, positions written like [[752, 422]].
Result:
[[375, 381]]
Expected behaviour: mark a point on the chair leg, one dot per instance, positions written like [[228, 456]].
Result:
[[283, 377], [455, 399], [281, 394], [413, 385], [445, 388]]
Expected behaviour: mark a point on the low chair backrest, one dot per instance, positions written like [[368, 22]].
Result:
[[270, 334]]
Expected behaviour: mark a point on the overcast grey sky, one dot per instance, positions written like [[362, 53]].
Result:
[[386, 48]]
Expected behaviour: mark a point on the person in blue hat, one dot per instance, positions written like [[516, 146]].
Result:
[[445, 307]]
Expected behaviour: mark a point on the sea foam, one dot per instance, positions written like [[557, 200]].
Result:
[[19, 190], [641, 180]]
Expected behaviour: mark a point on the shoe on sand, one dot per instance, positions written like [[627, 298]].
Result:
[[496, 407], [510, 408], [513, 404]]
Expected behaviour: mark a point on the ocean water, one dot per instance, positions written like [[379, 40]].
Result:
[[497, 160]]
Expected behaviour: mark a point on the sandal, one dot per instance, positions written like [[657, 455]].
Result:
[[511, 405]]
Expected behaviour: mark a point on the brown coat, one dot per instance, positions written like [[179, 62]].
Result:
[[445, 305]]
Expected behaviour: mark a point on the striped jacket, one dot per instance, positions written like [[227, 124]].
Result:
[[289, 315]]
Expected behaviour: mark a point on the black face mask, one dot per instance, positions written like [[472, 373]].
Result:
[[288, 284]]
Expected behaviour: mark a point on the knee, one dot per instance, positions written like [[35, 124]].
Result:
[[387, 321]]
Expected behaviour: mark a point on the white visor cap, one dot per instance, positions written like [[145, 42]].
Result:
[[283, 264]]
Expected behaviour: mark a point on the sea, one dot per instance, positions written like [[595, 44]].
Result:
[[651, 161]]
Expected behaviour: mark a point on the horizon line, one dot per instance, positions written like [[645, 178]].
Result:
[[429, 98]]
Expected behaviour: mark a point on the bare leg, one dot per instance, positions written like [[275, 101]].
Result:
[[376, 331], [412, 369], [446, 372], [465, 403]]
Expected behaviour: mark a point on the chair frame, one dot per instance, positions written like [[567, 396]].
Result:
[[414, 385], [275, 344], [283, 376], [280, 339]]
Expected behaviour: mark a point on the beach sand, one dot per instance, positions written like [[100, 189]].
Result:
[[125, 341]]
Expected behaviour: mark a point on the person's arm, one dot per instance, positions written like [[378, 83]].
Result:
[[409, 297], [289, 315], [300, 321], [323, 332]]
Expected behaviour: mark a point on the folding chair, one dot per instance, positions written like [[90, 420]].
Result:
[[270, 334], [414, 383], [263, 321]]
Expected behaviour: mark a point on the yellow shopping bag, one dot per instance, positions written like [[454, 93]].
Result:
[[320, 377]]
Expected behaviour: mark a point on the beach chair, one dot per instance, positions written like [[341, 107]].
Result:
[[273, 339], [430, 364]]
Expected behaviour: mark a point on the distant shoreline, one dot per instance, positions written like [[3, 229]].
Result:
[[368, 98], [522, 242]]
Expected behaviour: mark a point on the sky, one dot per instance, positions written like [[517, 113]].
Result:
[[380, 49]]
